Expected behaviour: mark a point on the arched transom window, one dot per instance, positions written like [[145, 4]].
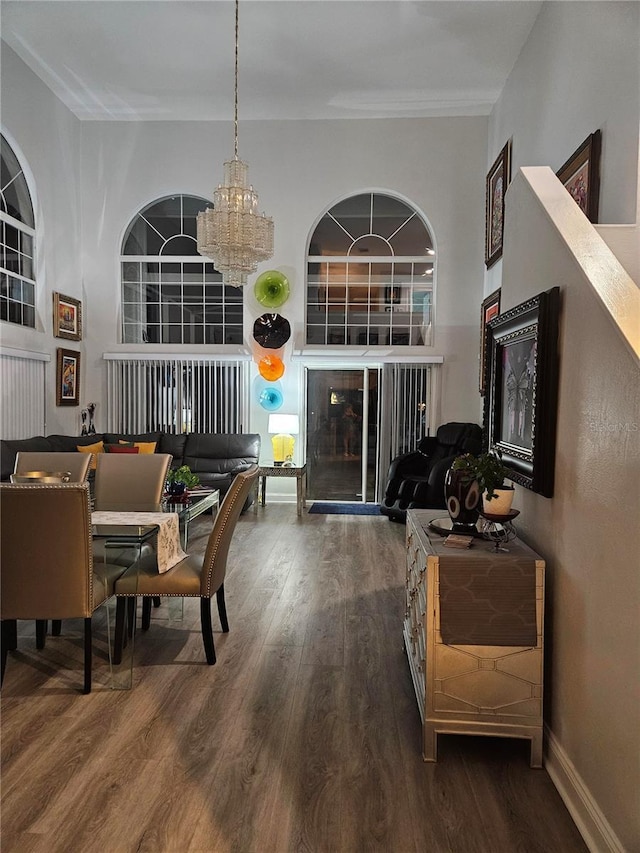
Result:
[[170, 293], [370, 275], [17, 242]]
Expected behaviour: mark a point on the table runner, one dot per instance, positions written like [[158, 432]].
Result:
[[487, 601], [168, 549]]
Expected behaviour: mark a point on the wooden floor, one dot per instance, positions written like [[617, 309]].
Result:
[[305, 736]]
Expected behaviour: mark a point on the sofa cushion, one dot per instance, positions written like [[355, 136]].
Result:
[[70, 443], [173, 444], [116, 437], [10, 447], [96, 447], [218, 453]]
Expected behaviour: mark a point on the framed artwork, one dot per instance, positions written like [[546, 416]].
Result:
[[521, 381], [67, 377], [497, 182], [580, 175], [67, 317], [392, 294], [489, 311]]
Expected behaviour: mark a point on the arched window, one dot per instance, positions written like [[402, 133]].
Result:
[[370, 275], [170, 293], [17, 242]]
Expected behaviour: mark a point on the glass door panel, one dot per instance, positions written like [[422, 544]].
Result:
[[342, 434]]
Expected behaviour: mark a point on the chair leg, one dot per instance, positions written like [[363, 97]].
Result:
[[120, 633], [157, 601], [9, 639], [131, 614], [207, 630], [41, 632], [146, 612], [222, 609], [87, 656], [56, 627]]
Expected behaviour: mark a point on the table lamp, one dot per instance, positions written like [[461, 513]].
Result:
[[284, 427]]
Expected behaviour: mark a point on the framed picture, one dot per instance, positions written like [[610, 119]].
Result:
[[67, 377], [489, 311], [392, 294], [67, 317], [497, 182], [521, 381], [581, 176]]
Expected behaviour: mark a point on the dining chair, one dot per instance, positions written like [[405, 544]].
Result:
[[76, 464], [47, 569], [196, 576], [130, 482]]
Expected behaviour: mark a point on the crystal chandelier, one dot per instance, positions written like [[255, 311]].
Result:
[[233, 233]]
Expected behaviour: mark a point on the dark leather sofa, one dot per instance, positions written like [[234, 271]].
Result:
[[215, 457], [416, 479]]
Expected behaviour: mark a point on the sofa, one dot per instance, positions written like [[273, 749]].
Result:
[[215, 457], [416, 480]]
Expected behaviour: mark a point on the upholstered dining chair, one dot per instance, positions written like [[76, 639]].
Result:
[[47, 570], [75, 464], [195, 576], [132, 482]]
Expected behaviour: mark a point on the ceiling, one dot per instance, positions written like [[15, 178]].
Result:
[[165, 60]]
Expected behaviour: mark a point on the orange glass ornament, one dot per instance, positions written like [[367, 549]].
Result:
[[270, 368]]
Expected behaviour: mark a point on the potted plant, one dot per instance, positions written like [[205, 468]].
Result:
[[491, 474], [180, 479]]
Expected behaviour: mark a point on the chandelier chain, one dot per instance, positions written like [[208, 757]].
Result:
[[235, 89]]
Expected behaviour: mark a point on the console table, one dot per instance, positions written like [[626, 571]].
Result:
[[297, 471], [474, 633]]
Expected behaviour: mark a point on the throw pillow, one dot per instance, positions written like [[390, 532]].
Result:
[[118, 448], [98, 447], [143, 446]]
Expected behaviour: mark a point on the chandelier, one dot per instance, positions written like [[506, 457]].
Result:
[[232, 232]]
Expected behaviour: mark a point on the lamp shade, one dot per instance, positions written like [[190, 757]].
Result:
[[289, 424]]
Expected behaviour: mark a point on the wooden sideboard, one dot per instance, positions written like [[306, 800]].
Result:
[[474, 634]]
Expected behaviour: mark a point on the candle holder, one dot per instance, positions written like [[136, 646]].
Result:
[[499, 529]]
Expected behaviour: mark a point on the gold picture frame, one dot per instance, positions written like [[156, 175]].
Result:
[[67, 317]]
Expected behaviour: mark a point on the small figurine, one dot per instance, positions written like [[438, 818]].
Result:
[[91, 410]]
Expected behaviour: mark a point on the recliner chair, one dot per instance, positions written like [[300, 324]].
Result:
[[416, 479]]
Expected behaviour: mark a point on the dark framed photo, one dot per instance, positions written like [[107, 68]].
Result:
[[67, 377], [497, 182], [580, 176], [488, 312], [67, 317], [521, 380], [392, 294]]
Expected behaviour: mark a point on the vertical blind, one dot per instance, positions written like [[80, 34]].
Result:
[[22, 395], [177, 395], [410, 399]]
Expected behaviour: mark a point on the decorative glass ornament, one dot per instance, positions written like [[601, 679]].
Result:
[[271, 331], [270, 398], [270, 368], [271, 289]]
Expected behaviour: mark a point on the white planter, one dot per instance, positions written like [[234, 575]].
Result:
[[500, 504]]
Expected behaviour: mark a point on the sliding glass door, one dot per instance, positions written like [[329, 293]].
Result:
[[342, 434]]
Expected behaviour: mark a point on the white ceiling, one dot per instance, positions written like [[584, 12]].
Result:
[[173, 59]]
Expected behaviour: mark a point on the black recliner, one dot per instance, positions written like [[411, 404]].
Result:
[[416, 479]]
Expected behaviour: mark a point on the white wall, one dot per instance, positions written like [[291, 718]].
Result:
[[557, 94], [46, 138], [577, 72]]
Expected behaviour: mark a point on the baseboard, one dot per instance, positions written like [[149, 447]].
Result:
[[592, 824]]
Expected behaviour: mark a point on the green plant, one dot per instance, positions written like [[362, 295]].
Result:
[[185, 475], [487, 469]]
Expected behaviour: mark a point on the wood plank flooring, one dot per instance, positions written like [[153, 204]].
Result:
[[305, 736]]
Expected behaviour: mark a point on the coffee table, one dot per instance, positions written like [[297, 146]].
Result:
[[195, 503]]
